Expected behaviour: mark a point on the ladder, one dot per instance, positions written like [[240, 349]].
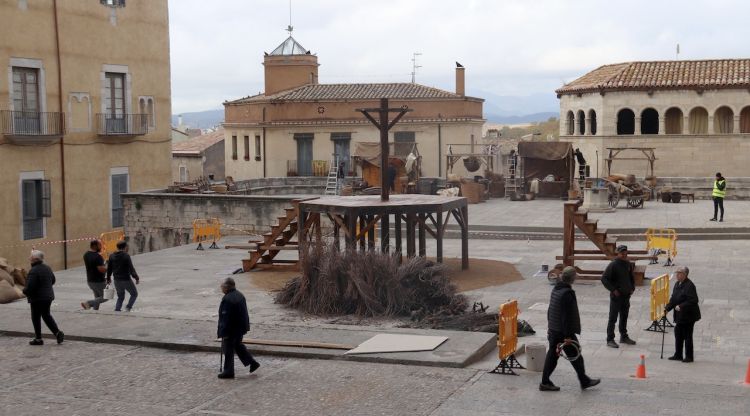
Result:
[[332, 187], [514, 177]]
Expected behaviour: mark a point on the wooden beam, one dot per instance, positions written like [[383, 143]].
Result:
[[422, 239], [439, 238], [465, 237]]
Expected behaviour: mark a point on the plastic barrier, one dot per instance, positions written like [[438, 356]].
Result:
[[507, 338], [206, 230], [659, 300], [662, 240], [109, 241]]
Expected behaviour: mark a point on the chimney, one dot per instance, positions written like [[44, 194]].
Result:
[[460, 80]]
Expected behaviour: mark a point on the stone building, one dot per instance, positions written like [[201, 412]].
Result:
[[201, 156], [695, 114], [85, 115], [298, 121]]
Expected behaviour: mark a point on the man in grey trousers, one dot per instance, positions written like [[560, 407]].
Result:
[[121, 266], [95, 271]]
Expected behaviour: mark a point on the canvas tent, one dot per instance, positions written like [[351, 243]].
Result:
[[541, 159], [367, 156]]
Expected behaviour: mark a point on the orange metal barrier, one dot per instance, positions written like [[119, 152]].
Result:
[[664, 239], [206, 230], [507, 338], [659, 300], [109, 241]]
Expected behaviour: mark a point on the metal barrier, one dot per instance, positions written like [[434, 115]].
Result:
[[109, 241], [659, 300], [206, 230], [662, 241], [507, 338]]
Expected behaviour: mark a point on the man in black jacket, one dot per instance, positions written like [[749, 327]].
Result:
[[234, 322], [618, 278], [564, 323], [40, 295], [684, 302], [121, 266]]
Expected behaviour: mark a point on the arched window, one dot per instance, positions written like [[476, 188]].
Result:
[[142, 106], [581, 122], [650, 121], [626, 121], [151, 113], [592, 117], [724, 120], [571, 124], [698, 121], [673, 120], [745, 120]]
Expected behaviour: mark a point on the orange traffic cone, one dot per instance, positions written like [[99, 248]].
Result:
[[640, 372], [747, 375]]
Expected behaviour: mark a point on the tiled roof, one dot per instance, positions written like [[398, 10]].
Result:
[[658, 75], [354, 92], [197, 145]]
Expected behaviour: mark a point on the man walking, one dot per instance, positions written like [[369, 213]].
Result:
[[563, 323], [618, 278], [684, 301], [720, 191], [95, 271], [121, 266], [40, 295], [234, 322]]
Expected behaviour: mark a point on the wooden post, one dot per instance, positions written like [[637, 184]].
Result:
[[398, 236], [336, 235], [370, 234], [301, 217], [422, 242], [568, 233], [362, 225], [351, 223], [384, 190], [411, 250], [439, 239], [318, 231], [384, 231], [465, 238]]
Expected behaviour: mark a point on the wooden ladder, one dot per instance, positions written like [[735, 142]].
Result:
[[576, 217]]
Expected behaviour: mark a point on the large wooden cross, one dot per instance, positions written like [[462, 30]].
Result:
[[384, 125]]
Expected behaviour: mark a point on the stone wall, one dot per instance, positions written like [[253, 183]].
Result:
[[156, 220]]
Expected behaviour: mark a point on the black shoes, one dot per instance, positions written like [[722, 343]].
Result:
[[60, 337], [592, 382], [626, 340], [226, 375], [712, 219], [36, 341], [612, 344], [675, 358], [254, 366], [687, 360], [548, 387]]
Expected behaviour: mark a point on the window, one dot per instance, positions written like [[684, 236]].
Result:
[[36, 200], [234, 147], [151, 111], [113, 3], [571, 123], [341, 150], [114, 103], [247, 147], [581, 122], [649, 121], [745, 120], [119, 185], [304, 153], [26, 100], [403, 143], [257, 147], [183, 174], [592, 117], [698, 121], [724, 120], [626, 121], [673, 120]]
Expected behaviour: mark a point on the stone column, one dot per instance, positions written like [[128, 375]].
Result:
[[710, 124], [588, 125], [637, 131], [686, 125], [576, 124], [662, 124], [736, 125]]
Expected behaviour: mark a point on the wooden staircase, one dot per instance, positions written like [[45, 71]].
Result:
[[278, 240], [576, 217]]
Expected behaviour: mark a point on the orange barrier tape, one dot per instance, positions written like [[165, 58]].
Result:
[[507, 330]]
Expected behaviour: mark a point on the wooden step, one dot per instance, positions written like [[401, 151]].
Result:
[[581, 211], [585, 257], [276, 248], [611, 240], [600, 252]]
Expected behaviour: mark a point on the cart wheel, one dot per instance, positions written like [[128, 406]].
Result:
[[613, 196], [553, 276], [635, 202]]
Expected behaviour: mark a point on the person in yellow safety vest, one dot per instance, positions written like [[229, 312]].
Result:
[[720, 190]]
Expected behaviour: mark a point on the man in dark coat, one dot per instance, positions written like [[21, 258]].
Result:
[[40, 295], [684, 302], [563, 323], [234, 322], [121, 266], [619, 279]]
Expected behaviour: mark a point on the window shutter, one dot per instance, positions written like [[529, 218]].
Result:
[[28, 197], [46, 193]]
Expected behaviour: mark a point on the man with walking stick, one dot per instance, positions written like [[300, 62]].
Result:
[[234, 323]]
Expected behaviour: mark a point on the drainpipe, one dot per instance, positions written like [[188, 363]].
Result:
[[62, 145], [264, 142], [440, 146]]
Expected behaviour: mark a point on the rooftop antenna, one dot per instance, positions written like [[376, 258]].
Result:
[[414, 66], [290, 27], [677, 55]]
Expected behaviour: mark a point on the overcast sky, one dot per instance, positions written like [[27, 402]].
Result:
[[509, 47]]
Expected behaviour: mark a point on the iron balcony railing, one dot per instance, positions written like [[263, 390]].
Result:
[[121, 124], [32, 123]]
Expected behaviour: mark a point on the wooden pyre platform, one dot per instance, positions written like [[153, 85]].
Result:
[[355, 217]]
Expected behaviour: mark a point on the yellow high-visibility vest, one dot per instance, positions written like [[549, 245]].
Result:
[[718, 193]]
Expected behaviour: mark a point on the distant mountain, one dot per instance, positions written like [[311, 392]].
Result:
[[528, 118], [200, 119]]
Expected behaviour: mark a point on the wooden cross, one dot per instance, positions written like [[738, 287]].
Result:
[[384, 125]]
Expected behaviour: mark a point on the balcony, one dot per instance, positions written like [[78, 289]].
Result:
[[32, 127], [307, 168], [121, 125]]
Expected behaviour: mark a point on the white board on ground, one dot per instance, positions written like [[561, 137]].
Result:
[[383, 343]]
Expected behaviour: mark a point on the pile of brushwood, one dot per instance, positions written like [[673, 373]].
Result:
[[373, 284]]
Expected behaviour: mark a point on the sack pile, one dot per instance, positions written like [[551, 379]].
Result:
[[12, 282]]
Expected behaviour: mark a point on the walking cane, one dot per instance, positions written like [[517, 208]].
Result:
[[663, 331], [221, 356]]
